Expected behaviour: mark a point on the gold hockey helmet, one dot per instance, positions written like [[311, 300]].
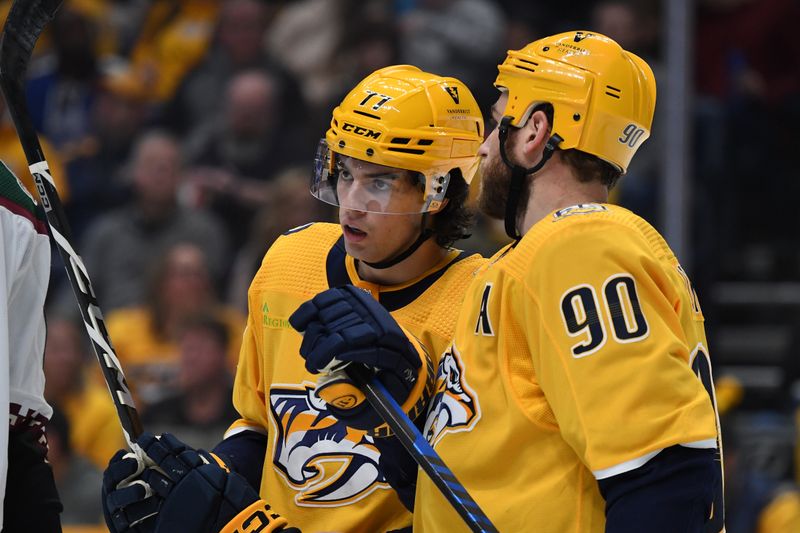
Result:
[[400, 117], [603, 96]]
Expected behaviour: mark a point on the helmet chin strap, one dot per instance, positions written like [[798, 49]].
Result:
[[424, 235], [518, 175]]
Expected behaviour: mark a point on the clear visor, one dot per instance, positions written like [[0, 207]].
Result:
[[359, 185]]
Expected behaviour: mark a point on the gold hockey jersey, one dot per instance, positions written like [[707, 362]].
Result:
[[319, 474], [579, 354]]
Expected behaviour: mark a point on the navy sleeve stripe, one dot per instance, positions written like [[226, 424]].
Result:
[[673, 492]]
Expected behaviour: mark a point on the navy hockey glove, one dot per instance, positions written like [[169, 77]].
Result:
[[346, 325], [129, 504], [186, 490]]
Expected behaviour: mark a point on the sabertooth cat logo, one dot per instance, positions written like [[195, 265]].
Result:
[[454, 406]]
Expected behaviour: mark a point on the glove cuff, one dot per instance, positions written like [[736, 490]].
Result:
[[417, 402], [258, 516]]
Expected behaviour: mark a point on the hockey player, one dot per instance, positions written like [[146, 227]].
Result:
[[397, 161], [30, 501], [577, 393]]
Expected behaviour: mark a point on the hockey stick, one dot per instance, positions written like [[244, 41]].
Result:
[[24, 24], [419, 448]]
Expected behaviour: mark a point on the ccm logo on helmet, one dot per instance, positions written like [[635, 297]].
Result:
[[360, 130]]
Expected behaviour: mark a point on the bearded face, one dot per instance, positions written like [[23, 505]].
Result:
[[496, 181]]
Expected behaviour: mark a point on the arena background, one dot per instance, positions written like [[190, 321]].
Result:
[[210, 111]]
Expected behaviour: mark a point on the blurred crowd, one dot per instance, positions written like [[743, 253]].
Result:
[[181, 135]]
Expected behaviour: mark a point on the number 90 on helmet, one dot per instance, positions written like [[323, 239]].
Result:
[[404, 119]]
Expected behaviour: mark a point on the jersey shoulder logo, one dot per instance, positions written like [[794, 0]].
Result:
[[454, 406], [483, 325], [327, 464]]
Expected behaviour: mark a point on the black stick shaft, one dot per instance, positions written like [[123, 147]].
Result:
[[25, 22]]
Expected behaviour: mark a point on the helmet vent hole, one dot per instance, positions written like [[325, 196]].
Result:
[[341, 144], [370, 115], [524, 68], [406, 150], [370, 152], [400, 140], [425, 142], [616, 92], [535, 64]]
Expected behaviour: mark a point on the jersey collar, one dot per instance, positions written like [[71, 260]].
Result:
[[341, 270]]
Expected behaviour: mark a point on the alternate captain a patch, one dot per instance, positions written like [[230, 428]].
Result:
[[483, 326], [454, 406]]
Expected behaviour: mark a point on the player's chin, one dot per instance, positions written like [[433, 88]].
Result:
[[357, 250]]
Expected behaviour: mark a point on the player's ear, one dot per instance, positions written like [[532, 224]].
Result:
[[534, 135]]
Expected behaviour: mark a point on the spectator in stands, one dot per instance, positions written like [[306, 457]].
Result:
[[233, 158], [76, 478], [173, 38], [459, 38], [14, 157], [118, 116], [236, 47], [311, 39], [73, 384], [146, 336], [286, 204], [200, 410], [62, 85], [305, 37], [367, 47], [119, 247]]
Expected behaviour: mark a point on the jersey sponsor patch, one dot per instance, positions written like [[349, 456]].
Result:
[[327, 464], [454, 406], [579, 209], [270, 321]]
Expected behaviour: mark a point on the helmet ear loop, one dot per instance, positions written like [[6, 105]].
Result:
[[518, 174]]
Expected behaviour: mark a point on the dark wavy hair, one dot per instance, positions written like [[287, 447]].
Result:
[[452, 222]]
